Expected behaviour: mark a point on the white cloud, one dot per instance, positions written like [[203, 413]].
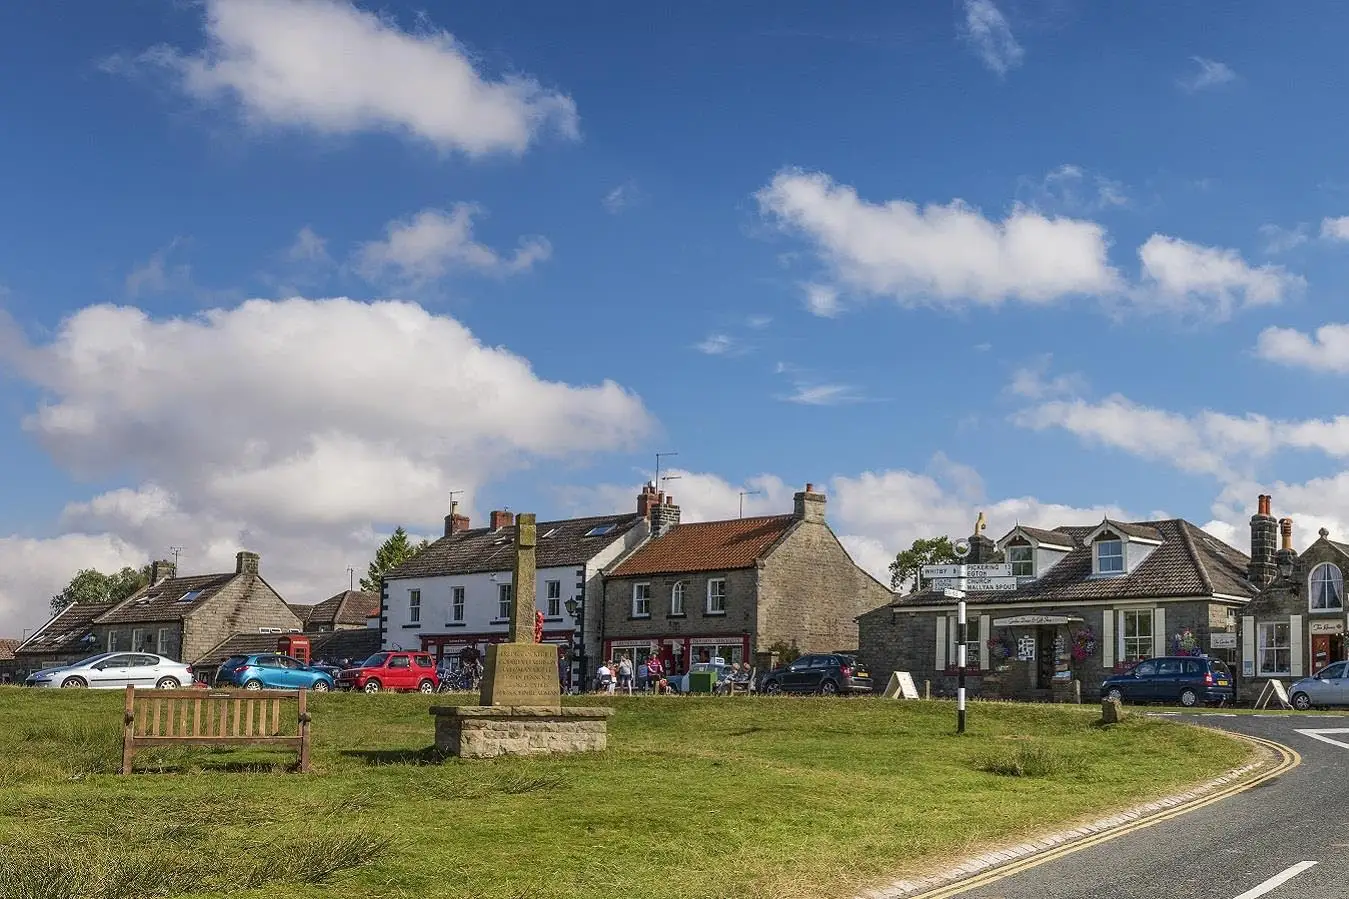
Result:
[[334, 68], [299, 428], [35, 570], [1281, 240], [758, 322], [1071, 189], [157, 275], [429, 244], [1208, 282], [985, 28], [1335, 228], [1211, 73], [718, 345], [308, 247], [1033, 381], [621, 197], [823, 300], [823, 394], [1327, 349], [948, 255]]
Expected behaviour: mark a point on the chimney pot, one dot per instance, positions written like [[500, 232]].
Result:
[[809, 505], [1286, 532], [810, 488]]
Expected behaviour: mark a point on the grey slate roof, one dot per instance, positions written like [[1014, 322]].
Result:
[[302, 610], [65, 632], [561, 543], [161, 602], [1190, 562], [350, 608], [1054, 538], [1143, 531]]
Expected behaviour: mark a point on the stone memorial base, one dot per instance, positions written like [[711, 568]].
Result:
[[485, 732]]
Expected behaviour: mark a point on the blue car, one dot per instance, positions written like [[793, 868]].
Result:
[[271, 671]]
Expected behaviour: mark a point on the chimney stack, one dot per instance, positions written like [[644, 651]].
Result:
[[161, 570], [1286, 533], [246, 563], [809, 505], [502, 519], [1264, 539], [664, 515], [454, 522], [647, 499], [1286, 555]]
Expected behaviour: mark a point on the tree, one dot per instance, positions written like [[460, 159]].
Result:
[[925, 551], [92, 586], [393, 552]]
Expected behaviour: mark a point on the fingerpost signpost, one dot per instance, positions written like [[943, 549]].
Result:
[[961, 548]]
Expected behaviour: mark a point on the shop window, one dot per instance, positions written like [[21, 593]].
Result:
[[1326, 587], [972, 642], [1135, 634], [1274, 650]]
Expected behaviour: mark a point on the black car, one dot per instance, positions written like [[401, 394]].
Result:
[[1188, 680], [825, 673]]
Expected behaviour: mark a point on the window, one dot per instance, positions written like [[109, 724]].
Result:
[[1326, 587], [456, 603], [162, 641], [425, 662], [1169, 668], [972, 642], [400, 662], [641, 600], [1193, 669], [138, 640], [1022, 559], [1273, 652], [1135, 634], [677, 598], [600, 530], [716, 596], [189, 596], [1331, 672], [554, 593], [1110, 556], [1147, 669], [414, 606], [505, 593]]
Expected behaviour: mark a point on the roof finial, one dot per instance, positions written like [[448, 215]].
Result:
[[980, 524]]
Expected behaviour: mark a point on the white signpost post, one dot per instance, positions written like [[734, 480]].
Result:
[[962, 549]]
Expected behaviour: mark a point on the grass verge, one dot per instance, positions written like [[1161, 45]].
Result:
[[759, 798]]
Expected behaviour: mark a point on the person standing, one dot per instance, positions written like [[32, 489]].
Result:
[[625, 675]]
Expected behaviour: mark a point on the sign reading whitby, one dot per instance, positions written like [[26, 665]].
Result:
[[996, 569]]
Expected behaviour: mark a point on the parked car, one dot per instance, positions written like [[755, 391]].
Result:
[[680, 682], [825, 673], [272, 671], [1188, 680], [1327, 687], [111, 670], [392, 671]]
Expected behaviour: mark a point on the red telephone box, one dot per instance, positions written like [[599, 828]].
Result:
[[296, 646]]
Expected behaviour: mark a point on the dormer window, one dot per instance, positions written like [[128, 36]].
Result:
[[1021, 555], [1326, 587], [1109, 554]]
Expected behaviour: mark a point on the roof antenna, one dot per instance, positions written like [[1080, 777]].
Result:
[[351, 579], [177, 551]]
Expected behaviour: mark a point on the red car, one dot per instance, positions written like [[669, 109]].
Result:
[[392, 671]]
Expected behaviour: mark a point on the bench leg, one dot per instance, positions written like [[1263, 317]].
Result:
[[128, 729]]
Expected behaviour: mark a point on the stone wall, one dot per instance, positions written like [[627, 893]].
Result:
[[619, 623], [242, 606], [484, 732], [811, 592], [1288, 599]]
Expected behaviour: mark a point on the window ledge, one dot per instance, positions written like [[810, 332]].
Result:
[[714, 614], [456, 624], [500, 621], [639, 617], [406, 626], [554, 618], [677, 615]]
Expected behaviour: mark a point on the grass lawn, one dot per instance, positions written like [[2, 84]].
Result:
[[697, 798]]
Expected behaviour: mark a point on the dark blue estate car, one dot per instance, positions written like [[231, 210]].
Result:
[[1187, 680]]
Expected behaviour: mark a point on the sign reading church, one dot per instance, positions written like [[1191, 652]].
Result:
[[1049, 606]]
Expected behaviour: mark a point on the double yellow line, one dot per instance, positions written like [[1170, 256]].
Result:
[[1288, 759]]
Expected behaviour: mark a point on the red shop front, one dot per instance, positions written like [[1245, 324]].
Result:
[[677, 653]]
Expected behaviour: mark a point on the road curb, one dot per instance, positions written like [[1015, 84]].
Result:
[[1274, 760]]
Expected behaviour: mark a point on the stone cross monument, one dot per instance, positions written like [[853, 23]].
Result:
[[521, 672]]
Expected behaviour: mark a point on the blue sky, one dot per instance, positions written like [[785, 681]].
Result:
[[1044, 258]]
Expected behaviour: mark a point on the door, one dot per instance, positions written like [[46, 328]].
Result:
[[112, 672], [400, 674], [1330, 687], [1321, 653], [143, 671], [1142, 686], [291, 674], [797, 676], [821, 668], [1044, 658]]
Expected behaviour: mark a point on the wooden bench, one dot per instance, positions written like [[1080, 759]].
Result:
[[215, 718]]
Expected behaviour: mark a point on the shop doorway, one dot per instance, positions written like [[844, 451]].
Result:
[[1326, 648], [1044, 657]]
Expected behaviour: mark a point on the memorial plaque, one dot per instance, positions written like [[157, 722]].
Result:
[[521, 674]]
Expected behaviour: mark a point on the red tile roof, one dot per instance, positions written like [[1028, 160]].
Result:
[[707, 546]]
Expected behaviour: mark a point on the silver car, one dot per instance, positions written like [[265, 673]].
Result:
[[111, 670], [1329, 686]]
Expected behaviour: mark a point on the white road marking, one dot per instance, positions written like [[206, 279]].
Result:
[[1320, 735], [1277, 880]]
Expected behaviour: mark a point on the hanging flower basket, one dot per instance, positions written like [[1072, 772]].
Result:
[[1001, 647], [1185, 643], [1084, 645]]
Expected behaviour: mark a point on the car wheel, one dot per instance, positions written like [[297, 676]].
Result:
[[253, 684], [828, 688], [1115, 695], [1189, 698], [1302, 702], [76, 682], [321, 686], [426, 687], [167, 683], [773, 688], [372, 686]]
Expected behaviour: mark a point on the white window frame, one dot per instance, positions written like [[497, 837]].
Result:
[[641, 600], [553, 593], [1267, 641], [1130, 645], [111, 634], [1321, 576], [137, 638], [414, 607], [161, 641], [505, 599], [708, 608], [1099, 556], [677, 598], [1028, 561], [456, 604], [973, 661]]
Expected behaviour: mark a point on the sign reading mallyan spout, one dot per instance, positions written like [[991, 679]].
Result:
[[1034, 620]]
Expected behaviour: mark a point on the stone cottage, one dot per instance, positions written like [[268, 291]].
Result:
[[1074, 603], [736, 587]]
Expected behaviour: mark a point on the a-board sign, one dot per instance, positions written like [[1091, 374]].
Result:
[[1273, 691], [901, 686]]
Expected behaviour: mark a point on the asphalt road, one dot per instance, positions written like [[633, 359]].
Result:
[[1295, 827]]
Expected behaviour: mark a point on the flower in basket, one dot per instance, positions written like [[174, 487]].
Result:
[[1185, 643], [1084, 645], [1001, 647]]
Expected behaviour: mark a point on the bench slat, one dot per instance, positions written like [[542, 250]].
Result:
[[196, 719]]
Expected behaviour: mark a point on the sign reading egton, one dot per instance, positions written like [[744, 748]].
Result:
[[989, 570]]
